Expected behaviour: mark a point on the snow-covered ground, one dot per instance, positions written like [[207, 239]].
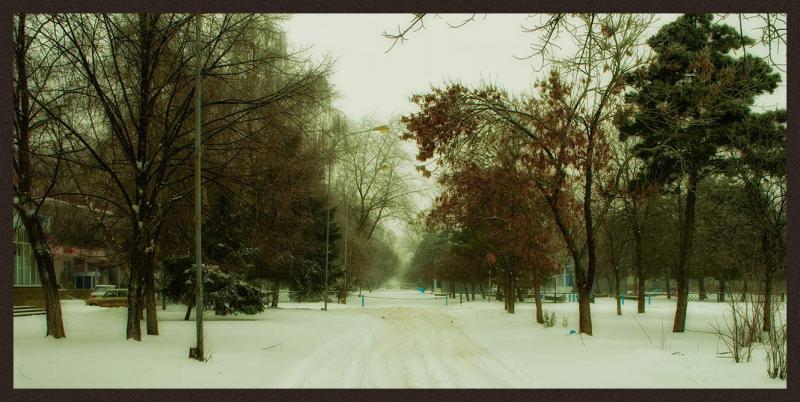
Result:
[[399, 339]]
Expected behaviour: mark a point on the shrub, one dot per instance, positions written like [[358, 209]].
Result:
[[743, 331], [549, 319], [776, 346], [222, 292]]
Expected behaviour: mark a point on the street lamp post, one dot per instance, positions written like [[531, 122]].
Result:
[[346, 225], [199, 353], [382, 129]]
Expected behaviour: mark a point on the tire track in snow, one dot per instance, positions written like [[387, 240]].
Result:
[[401, 348]]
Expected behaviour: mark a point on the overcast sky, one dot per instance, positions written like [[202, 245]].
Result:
[[376, 84]]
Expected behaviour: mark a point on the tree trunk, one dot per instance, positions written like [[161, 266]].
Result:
[[510, 296], [150, 293], [276, 293], [27, 209], [163, 290], [585, 280], [133, 327], [744, 291], [537, 295], [47, 275], [767, 300], [584, 311], [616, 290], [505, 293], [142, 275], [343, 292], [640, 278], [770, 268], [687, 232], [701, 287], [666, 281], [584, 289], [188, 311]]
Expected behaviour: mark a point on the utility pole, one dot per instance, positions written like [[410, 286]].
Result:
[[346, 287], [327, 235], [198, 197]]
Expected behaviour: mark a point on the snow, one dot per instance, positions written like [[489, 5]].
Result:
[[399, 339]]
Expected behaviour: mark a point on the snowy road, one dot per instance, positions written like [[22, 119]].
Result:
[[400, 339], [412, 347]]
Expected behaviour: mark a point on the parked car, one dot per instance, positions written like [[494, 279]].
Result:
[[100, 290], [112, 298]]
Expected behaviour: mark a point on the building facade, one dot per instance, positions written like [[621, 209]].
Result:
[[76, 268]]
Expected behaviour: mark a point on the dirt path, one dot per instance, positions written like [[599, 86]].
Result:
[[402, 347]]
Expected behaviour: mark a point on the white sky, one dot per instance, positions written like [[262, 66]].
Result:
[[375, 84]]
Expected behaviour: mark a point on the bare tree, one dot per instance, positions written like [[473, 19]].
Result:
[[29, 122], [132, 114]]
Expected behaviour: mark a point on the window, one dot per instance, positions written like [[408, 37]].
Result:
[[66, 273], [45, 222], [25, 272], [84, 282], [112, 275]]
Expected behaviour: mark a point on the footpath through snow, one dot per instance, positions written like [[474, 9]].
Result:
[[400, 339]]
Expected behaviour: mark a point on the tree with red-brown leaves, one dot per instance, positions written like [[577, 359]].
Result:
[[534, 136], [578, 115], [492, 197]]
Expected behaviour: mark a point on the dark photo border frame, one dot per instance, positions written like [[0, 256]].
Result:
[[10, 7]]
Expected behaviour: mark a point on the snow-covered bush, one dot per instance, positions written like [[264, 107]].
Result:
[[222, 292], [549, 319]]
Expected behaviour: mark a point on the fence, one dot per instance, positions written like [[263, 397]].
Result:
[[389, 301], [488, 296]]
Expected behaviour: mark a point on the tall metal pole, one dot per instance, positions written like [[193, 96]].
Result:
[[198, 197], [327, 235], [346, 287]]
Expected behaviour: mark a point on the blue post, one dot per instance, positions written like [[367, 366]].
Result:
[[622, 299], [362, 300]]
